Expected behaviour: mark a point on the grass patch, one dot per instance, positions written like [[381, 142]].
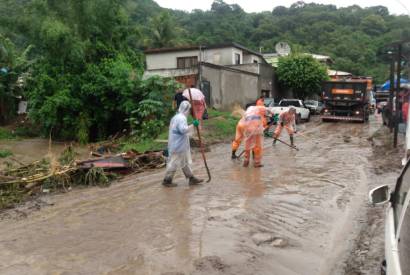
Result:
[[26, 132], [220, 126], [145, 145], [4, 153], [6, 134]]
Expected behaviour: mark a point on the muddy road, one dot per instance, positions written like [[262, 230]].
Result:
[[304, 212]]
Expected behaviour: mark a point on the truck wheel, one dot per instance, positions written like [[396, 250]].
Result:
[[308, 118]]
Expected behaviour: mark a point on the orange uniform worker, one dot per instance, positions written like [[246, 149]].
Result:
[[240, 127], [240, 130], [260, 103], [253, 135], [287, 120]]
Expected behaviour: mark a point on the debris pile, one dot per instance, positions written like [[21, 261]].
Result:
[[17, 182]]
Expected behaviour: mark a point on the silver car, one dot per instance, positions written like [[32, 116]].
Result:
[[314, 106], [397, 228]]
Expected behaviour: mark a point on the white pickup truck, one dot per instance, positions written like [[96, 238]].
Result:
[[302, 112]]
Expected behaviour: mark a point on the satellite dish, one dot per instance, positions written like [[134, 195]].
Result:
[[282, 48]]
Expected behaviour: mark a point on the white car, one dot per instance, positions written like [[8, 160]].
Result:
[[397, 228], [302, 112]]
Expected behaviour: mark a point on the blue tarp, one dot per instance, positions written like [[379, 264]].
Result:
[[386, 85]]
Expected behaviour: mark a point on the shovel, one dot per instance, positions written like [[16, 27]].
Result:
[[199, 138], [287, 144]]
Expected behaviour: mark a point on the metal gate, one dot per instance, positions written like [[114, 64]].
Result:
[[206, 90]]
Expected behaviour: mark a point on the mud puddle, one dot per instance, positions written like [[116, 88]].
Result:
[[302, 213]]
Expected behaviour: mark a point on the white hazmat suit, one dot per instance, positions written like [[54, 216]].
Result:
[[179, 148]]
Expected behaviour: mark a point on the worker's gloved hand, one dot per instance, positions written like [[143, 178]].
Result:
[[195, 122], [282, 124]]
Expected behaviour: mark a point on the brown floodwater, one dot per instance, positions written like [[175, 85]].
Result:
[[302, 213], [30, 150]]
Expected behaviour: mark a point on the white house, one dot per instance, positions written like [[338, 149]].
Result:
[[227, 73]]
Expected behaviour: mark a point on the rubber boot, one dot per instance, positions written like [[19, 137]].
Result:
[[246, 163], [167, 182], [234, 156], [194, 181], [292, 141], [274, 140], [258, 165]]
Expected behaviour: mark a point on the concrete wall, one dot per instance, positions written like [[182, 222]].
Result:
[[266, 76], [220, 56], [250, 58], [167, 60], [249, 67], [230, 87], [171, 72], [267, 79]]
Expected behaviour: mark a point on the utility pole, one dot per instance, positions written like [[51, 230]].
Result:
[[398, 107], [200, 68], [391, 95]]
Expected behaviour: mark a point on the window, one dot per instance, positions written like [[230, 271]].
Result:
[[404, 243], [400, 194], [237, 59], [286, 103], [187, 62]]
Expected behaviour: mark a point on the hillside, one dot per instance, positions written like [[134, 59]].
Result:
[[352, 36]]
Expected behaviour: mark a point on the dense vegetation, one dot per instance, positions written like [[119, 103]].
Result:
[[86, 82], [352, 36], [80, 63], [302, 73]]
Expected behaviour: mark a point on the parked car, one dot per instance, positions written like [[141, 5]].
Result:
[[302, 112], [397, 225], [314, 106], [269, 102]]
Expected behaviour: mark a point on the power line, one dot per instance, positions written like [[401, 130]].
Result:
[[404, 6]]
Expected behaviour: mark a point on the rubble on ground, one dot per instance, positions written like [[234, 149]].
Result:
[[21, 180]]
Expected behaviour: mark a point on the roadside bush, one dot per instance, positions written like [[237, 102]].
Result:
[[153, 113], [6, 134], [4, 153], [107, 98]]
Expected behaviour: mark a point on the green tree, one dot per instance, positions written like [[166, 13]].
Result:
[[163, 31], [301, 73], [373, 24], [14, 65]]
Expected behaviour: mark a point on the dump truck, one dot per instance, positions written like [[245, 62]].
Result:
[[346, 100]]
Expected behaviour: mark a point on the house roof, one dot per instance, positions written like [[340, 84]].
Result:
[[272, 58], [215, 46], [321, 57], [338, 73]]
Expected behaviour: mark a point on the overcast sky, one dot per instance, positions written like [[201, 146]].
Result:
[[394, 6]]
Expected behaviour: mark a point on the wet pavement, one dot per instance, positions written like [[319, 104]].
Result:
[[304, 212]]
